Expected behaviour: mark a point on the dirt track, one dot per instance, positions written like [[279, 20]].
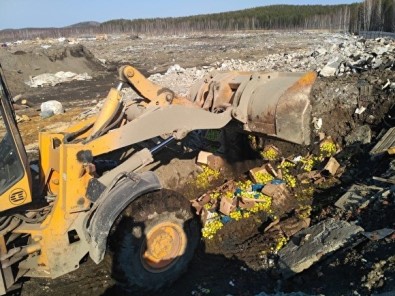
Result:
[[232, 263]]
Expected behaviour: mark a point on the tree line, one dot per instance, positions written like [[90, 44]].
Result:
[[370, 15]]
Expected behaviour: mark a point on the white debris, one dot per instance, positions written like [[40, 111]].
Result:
[[387, 84], [317, 123], [48, 79], [331, 67], [52, 106], [297, 158], [22, 118], [360, 110], [175, 69]]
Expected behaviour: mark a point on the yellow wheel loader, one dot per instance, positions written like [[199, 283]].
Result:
[[77, 209]]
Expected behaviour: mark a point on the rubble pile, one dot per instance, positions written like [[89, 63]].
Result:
[[338, 56]]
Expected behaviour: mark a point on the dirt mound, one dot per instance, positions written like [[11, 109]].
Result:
[[20, 65], [347, 103]]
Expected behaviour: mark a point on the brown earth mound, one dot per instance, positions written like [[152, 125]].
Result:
[[19, 65]]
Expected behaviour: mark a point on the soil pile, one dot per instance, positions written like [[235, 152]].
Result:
[[20, 65]]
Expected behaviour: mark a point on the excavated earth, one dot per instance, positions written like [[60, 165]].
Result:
[[232, 262]]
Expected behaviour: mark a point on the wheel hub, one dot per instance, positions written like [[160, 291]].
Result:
[[163, 245]]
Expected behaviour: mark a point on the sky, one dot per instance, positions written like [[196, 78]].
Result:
[[15, 14]]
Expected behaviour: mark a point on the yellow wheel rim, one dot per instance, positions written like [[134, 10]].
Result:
[[163, 246]]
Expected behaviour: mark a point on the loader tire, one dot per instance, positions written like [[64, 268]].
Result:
[[153, 241]]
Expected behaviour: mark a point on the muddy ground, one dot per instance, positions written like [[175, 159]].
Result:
[[232, 263]]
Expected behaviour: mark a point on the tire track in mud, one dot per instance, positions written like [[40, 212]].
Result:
[[89, 279]]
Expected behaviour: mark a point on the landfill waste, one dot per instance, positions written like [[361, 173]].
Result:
[[279, 186], [48, 79]]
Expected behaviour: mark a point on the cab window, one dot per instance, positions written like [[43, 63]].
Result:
[[11, 169]]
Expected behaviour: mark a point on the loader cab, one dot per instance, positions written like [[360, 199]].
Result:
[[15, 177]]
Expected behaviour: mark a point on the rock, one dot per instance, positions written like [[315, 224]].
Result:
[[46, 114], [331, 67], [377, 62], [175, 69], [353, 198], [361, 134], [380, 50], [379, 234], [319, 52], [310, 245], [53, 106]]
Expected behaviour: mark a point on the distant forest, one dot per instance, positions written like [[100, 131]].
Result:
[[370, 15]]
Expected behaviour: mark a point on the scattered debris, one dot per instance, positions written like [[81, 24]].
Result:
[[354, 197], [214, 162], [310, 245], [376, 277], [175, 69], [48, 79], [22, 118], [379, 234], [386, 142], [361, 134], [202, 157], [317, 123], [391, 181], [360, 110], [331, 67], [289, 226], [331, 166]]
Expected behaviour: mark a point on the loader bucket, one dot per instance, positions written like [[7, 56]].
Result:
[[279, 105], [275, 104]]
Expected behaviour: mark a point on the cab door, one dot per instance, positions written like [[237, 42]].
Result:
[[15, 176]]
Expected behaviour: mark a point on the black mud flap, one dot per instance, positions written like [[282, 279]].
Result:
[[111, 203]]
